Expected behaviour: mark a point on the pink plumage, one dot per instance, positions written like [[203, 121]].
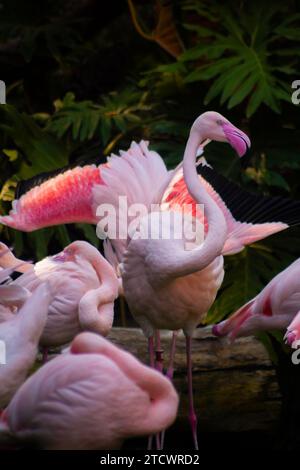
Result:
[[273, 309], [92, 397], [85, 287], [63, 199]]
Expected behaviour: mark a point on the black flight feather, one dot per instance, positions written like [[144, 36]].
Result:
[[249, 207]]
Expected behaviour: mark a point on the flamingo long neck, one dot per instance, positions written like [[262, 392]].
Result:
[[201, 256], [96, 312], [103, 269]]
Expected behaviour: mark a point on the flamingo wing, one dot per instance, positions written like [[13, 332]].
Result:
[[250, 217], [65, 198]]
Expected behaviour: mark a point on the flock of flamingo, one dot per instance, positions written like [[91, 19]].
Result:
[[94, 395]]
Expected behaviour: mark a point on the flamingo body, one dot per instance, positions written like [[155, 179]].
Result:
[[176, 303]]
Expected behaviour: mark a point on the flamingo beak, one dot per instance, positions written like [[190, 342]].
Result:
[[236, 138]]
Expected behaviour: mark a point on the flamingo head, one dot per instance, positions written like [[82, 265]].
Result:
[[77, 248], [212, 125]]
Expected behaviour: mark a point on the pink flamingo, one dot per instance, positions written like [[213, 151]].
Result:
[[85, 287], [273, 309], [20, 333], [92, 397]]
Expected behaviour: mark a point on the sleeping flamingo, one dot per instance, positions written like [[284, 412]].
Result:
[[273, 309], [92, 397], [85, 287], [21, 333]]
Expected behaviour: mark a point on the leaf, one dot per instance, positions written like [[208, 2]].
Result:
[[62, 235], [42, 151], [12, 154], [240, 55]]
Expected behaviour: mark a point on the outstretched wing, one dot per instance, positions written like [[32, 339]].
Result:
[[64, 199], [250, 217]]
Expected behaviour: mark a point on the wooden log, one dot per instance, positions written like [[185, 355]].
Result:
[[235, 385]]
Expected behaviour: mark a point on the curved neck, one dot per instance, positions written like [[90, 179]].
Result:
[[197, 259], [103, 268], [96, 307], [96, 310]]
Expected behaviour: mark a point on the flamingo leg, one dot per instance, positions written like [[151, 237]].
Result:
[[151, 351], [170, 370], [192, 414], [152, 364], [45, 355], [169, 374], [159, 367], [159, 362]]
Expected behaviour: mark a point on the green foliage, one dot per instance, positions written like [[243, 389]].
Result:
[[249, 62], [85, 119]]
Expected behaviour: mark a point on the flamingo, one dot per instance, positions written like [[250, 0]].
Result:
[[273, 309], [20, 333], [92, 397], [85, 287]]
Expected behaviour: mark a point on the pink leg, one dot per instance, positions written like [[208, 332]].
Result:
[[169, 374], [152, 364], [159, 362], [170, 370], [151, 351], [45, 355], [192, 414], [159, 367]]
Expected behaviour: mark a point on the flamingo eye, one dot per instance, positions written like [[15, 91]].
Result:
[[219, 122]]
